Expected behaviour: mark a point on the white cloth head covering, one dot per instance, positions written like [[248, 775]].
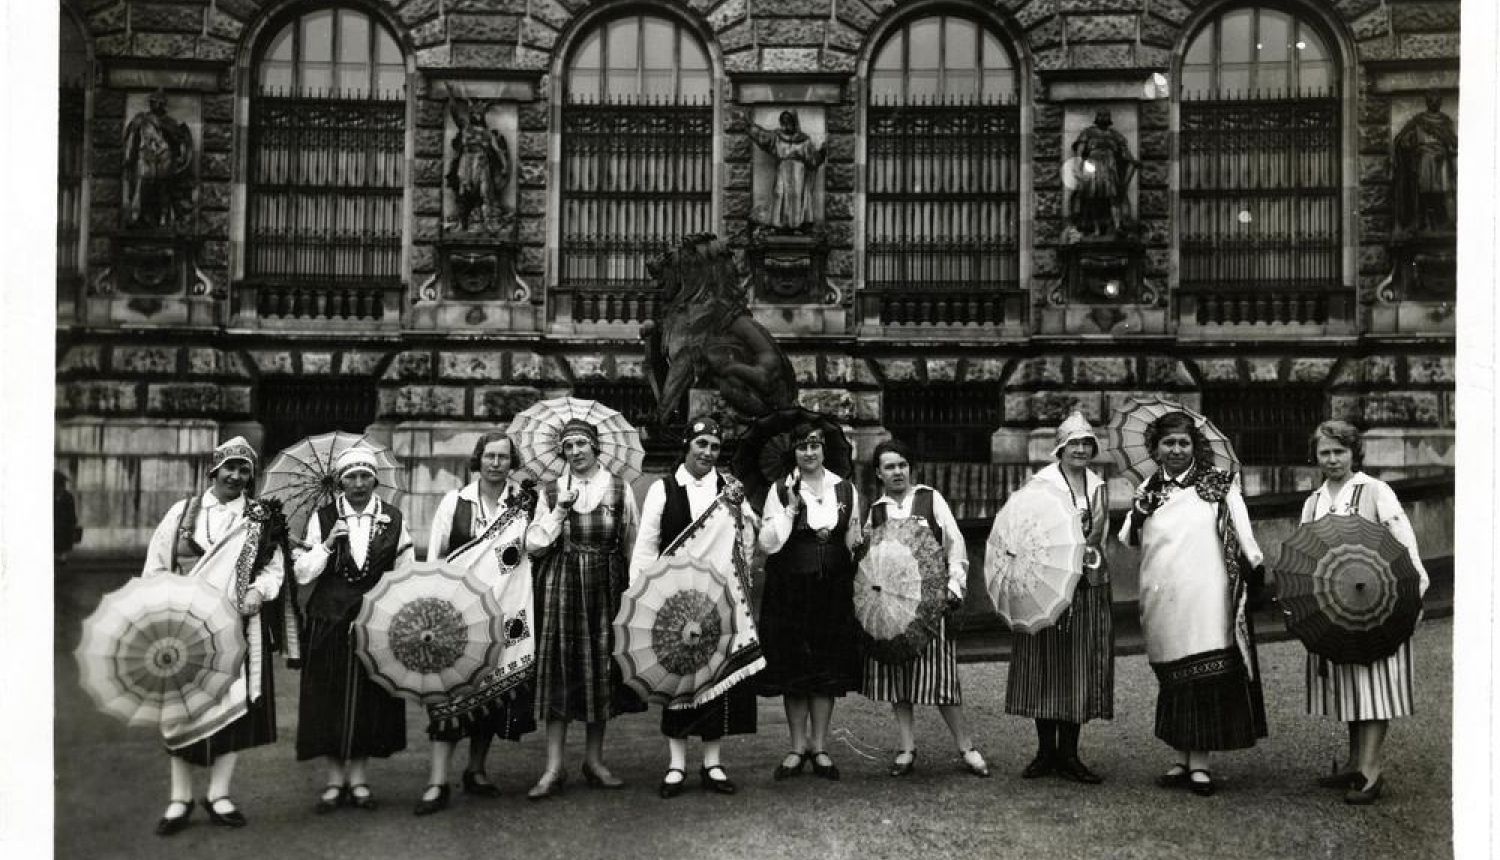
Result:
[[234, 449], [356, 459], [1075, 426]]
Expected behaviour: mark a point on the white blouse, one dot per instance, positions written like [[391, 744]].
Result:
[[822, 513], [954, 548], [701, 494], [547, 524], [310, 564], [1388, 511]]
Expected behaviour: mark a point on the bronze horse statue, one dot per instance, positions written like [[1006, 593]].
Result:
[[704, 331]]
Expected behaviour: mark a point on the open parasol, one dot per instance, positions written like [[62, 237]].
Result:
[[430, 632], [1348, 589], [674, 629], [765, 454], [1127, 437], [160, 649], [537, 434], [303, 477], [1034, 557], [900, 590]]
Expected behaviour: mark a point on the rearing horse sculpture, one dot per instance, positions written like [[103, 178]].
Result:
[[704, 331]]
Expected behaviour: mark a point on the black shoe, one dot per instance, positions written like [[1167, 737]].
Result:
[[364, 801], [981, 769], [669, 790], [720, 786], [1177, 777], [1365, 794], [436, 804], [473, 786], [784, 772], [170, 824], [232, 818], [900, 768], [551, 783], [826, 771], [1204, 787], [1077, 771], [332, 798], [1341, 778], [1039, 766]]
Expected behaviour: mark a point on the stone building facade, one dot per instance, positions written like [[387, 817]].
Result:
[[1278, 252]]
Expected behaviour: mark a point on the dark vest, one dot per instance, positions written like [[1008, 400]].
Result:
[[921, 507], [462, 530], [334, 596], [677, 514]]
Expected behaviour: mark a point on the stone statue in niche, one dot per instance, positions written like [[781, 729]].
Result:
[[1100, 171], [1426, 171], [797, 162], [704, 331], [479, 170], [158, 172]]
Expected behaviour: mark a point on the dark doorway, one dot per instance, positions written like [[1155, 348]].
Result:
[[294, 408]]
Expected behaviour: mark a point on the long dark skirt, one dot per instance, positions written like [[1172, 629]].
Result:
[[577, 595], [508, 717], [808, 633], [1208, 702], [257, 727], [342, 713], [1067, 674], [730, 714]]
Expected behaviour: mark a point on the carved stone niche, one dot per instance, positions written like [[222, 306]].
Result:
[[477, 286], [789, 269], [1102, 290], [1424, 268], [153, 279]]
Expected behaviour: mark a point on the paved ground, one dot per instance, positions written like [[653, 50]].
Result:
[[112, 783]]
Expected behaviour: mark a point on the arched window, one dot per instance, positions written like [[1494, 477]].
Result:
[[637, 158], [943, 185], [73, 82], [1260, 163], [327, 157]]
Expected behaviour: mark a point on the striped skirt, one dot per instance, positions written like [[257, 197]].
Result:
[[1354, 691], [931, 679], [1067, 675]]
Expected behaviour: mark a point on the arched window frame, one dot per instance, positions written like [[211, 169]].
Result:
[[1012, 313], [256, 41], [1296, 313], [632, 303]]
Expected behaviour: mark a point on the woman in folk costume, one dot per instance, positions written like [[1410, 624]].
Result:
[[1064, 676], [585, 525], [1199, 561], [344, 717], [701, 513], [932, 678], [1366, 696], [807, 625], [482, 528], [238, 545]]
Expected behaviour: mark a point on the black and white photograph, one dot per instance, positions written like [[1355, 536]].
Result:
[[1044, 429]]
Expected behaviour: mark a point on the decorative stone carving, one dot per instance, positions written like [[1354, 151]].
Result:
[[798, 158], [1426, 171]]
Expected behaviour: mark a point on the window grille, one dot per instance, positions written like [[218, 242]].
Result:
[[1268, 426], [637, 158], [294, 408], [630, 397], [943, 209], [327, 173], [944, 421], [1260, 161], [71, 136]]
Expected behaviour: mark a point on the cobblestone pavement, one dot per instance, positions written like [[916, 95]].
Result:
[[111, 784]]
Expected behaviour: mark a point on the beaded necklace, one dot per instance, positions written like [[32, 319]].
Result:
[[346, 512]]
